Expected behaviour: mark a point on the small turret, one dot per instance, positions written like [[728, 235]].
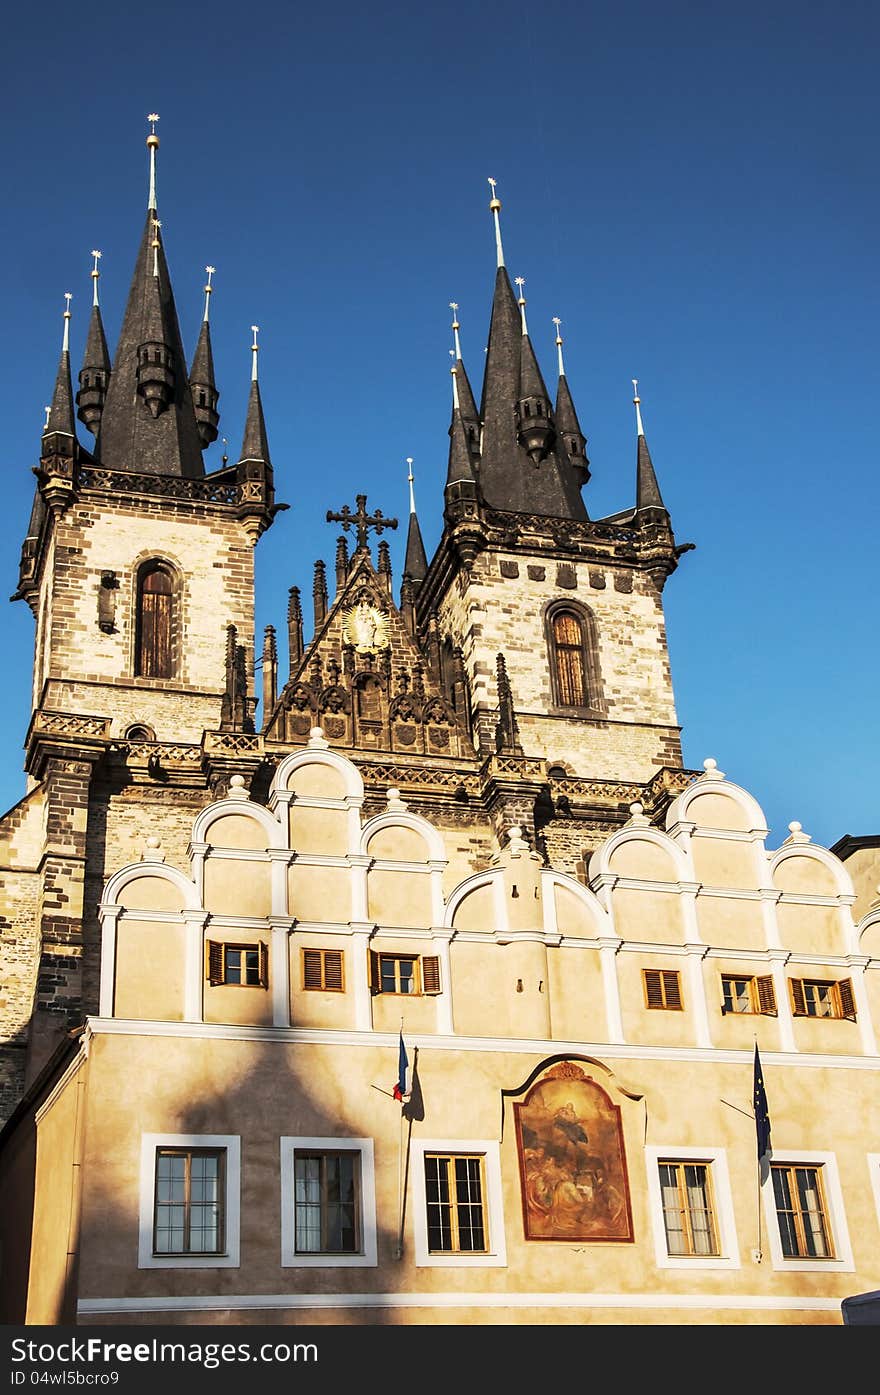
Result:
[[94, 375], [567, 425], [201, 377], [534, 421], [415, 565], [648, 496], [466, 402], [155, 355]]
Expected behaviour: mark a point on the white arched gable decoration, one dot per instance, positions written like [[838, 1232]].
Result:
[[550, 879], [135, 871], [398, 818], [493, 878], [713, 782], [242, 808], [318, 755], [819, 854], [639, 833]]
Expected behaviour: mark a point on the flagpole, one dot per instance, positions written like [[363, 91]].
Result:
[[400, 1175]]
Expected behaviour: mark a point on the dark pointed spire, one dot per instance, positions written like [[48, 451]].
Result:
[[648, 494], [415, 564], [59, 420], [94, 375], [568, 427], [534, 422], [201, 376], [148, 423], [255, 445], [294, 627], [466, 401]]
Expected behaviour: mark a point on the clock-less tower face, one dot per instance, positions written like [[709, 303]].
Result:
[[366, 628]]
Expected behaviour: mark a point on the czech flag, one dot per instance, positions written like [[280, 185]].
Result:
[[402, 1065]]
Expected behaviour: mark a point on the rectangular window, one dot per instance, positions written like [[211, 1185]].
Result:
[[454, 1192], [822, 998], [323, 969], [662, 989], [326, 1202], [404, 974], [748, 993], [688, 1213], [244, 966], [188, 1213], [801, 1212]]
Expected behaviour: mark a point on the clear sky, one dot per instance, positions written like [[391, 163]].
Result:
[[691, 187]]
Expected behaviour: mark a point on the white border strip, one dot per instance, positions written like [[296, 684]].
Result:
[[300, 1301]]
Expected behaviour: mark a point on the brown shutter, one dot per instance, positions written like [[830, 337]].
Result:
[[847, 1000], [215, 963], [569, 657], [154, 626], [430, 973], [653, 988], [373, 969], [672, 985], [264, 965], [311, 961], [333, 970], [798, 1003], [766, 995]]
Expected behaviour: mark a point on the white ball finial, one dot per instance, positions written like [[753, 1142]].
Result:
[[236, 788], [710, 764], [794, 826]]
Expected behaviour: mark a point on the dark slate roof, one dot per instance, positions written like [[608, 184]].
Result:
[[465, 395], [508, 478], [61, 411], [647, 489], [202, 370], [96, 354], [255, 445], [415, 563], [130, 438], [460, 466], [531, 383], [566, 416]]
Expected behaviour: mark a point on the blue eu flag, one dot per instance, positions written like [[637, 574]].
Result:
[[762, 1114]]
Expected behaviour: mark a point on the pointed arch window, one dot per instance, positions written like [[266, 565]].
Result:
[[574, 657], [154, 636]]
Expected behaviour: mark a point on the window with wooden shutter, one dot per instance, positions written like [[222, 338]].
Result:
[[215, 963], [766, 995], [662, 989], [153, 625], [568, 653], [430, 973], [812, 997], [322, 970]]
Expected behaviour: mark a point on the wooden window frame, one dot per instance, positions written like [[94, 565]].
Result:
[[324, 1206], [662, 989], [188, 1154], [589, 657], [685, 1211], [455, 1204], [325, 965], [150, 567], [838, 993], [795, 1210], [426, 974], [760, 991], [215, 963]]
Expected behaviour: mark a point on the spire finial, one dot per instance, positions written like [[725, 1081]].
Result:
[[454, 371], [95, 275], [455, 328], [640, 430], [152, 146], [521, 281], [558, 322], [65, 341], [412, 497], [495, 207], [208, 289], [255, 349]]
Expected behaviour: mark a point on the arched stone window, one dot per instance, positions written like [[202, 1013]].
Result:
[[574, 657], [155, 621]]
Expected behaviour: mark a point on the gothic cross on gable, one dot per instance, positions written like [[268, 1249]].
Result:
[[360, 520]]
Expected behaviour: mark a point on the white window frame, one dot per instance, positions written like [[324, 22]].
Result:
[[715, 1160], [368, 1256], [844, 1263], [231, 1145], [489, 1150]]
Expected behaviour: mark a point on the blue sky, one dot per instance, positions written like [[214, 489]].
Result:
[[691, 187]]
